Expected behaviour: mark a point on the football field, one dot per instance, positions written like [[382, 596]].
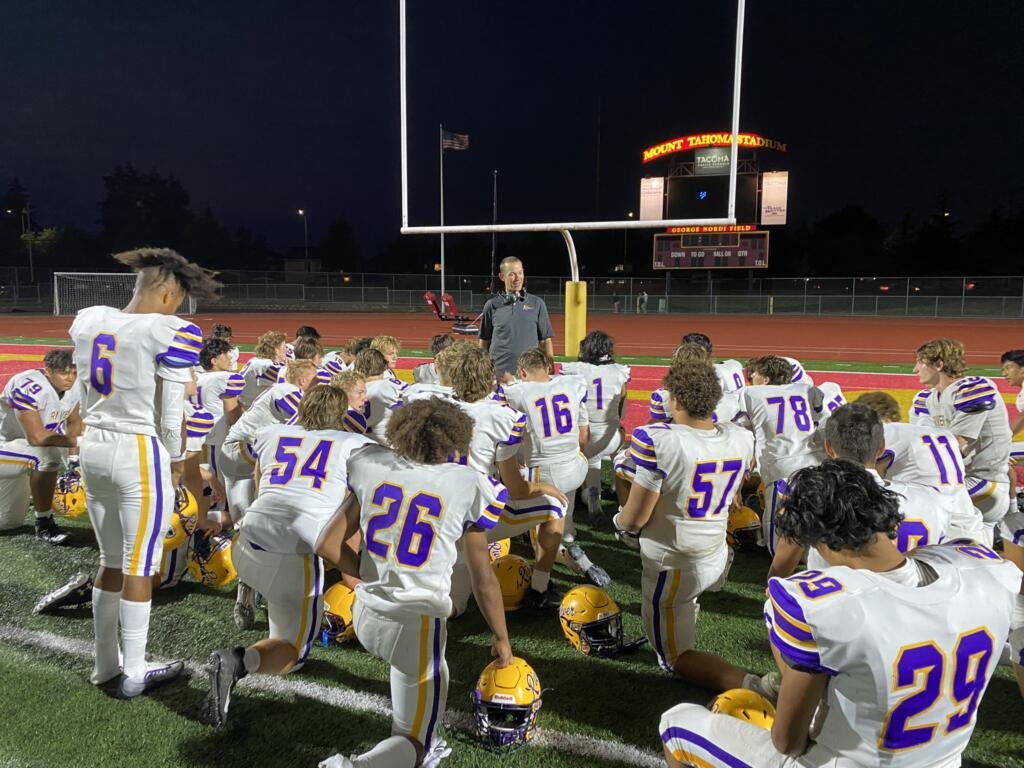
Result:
[[596, 712]]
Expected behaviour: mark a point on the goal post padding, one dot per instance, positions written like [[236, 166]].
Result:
[[73, 291]]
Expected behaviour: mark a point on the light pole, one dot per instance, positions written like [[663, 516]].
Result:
[[26, 231], [625, 241], [305, 233]]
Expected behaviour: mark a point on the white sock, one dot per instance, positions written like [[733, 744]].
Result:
[[252, 660], [539, 580], [104, 621], [45, 513], [134, 633], [394, 752]]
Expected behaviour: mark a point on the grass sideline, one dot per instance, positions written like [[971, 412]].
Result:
[[592, 704]]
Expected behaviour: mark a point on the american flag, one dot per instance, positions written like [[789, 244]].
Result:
[[454, 141]]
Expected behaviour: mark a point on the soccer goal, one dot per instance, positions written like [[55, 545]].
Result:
[[73, 291]]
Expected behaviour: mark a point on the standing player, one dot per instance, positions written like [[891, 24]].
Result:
[[688, 475], [607, 382], [39, 421], [927, 456], [260, 370], [133, 366], [426, 373], [783, 416], [302, 471], [900, 647], [414, 507], [972, 409], [557, 427], [854, 433], [383, 392]]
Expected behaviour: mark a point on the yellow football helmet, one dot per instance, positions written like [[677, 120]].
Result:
[[338, 603], [498, 549], [761, 495], [505, 705], [743, 528], [514, 575], [209, 560], [183, 519], [591, 621], [745, 705], [69, 494]]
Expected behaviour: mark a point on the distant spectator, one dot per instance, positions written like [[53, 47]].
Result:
[[616, 303], [641, 301]]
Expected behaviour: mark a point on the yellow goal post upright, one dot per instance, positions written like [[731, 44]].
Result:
[[575, 289]]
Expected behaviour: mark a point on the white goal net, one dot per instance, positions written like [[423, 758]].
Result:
[[73, 291]]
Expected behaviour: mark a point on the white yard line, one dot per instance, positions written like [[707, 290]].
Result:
[[343, 698]]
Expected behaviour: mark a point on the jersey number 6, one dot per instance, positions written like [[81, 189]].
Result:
[[101, 367]]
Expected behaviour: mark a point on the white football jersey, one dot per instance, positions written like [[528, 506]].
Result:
[[1020, 401], [213, 388], [555, 410], [426, 391], [323, 375], [831, 398], [918, 413], [728, 408], [604, 389], [783, 419], [498, 431], [120, 357], [697, 472], [260, 374], [303, 480], [425, 373], [971, 407], [412, 516], [908, 664], [32, 391], [799, 374], [383, 396], [730, 375], [277, 405]]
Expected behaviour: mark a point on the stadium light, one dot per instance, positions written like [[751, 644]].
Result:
[[305, 234]]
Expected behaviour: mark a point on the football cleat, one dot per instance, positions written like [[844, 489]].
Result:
[[592, 623], [339, 601], [498, 549], [549, 599], [69, 494], [743, 528], [438, 752], [77, 592], [505, 705], [155, 676], [47, 530], [209, 560], [749, 706], [244, 611], [573, 556], [225, 668], [336, 761], [514, 575]]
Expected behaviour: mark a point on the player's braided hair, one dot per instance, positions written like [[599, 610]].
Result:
[[838, 504], [949, 352], [774, 368], [883, 404], [370, 362], [430, 431], [158, 265], [267, 344], [322, 407], [597, 348], [698, 338], [471, 372], [695, 387], [855, 432], [213, 347], [59, 360]]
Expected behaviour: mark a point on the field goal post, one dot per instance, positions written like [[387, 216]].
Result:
[[575, 290], [73, 291]]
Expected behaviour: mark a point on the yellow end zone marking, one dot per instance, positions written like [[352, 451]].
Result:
[[19, 357]]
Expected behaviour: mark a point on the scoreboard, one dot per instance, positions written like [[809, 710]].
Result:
[[726, 247]]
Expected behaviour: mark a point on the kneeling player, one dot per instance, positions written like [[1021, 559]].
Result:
[[894, 652], [303, 480], [688, 474], [414, 508]]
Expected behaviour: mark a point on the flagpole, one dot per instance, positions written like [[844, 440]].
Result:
[[494, 235], [440, 152]]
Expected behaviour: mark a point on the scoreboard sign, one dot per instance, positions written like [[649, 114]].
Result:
[[737, 247]]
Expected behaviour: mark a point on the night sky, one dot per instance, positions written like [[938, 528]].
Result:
[[260, 108]]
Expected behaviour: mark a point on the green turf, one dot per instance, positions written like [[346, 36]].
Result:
[[811, 365], [53, 717]]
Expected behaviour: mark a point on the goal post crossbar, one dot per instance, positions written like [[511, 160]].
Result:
[[73, 291]]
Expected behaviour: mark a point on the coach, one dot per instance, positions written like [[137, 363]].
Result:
[[514, 321]]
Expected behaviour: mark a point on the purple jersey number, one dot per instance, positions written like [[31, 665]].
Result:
[[560, 415], [801, 414], [314, 467], [101, 367], [703, 488], [940, 460], [417, 535]]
